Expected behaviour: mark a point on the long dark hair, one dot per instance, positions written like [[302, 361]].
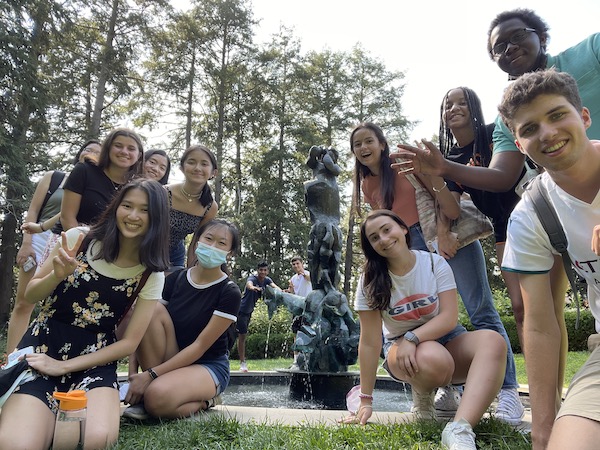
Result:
[[481, 144], [165, 179], [154, 248], [104, 158], [377, 283], [206, 195], [386, 173]]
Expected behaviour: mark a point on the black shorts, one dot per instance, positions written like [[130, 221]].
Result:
[[243, 320]]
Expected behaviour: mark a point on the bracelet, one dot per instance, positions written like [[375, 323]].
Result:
[[41, 224], [440, 189], [367, 396], [152, 373]]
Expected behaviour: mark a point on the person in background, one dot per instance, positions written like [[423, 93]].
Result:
[[546, 114], [185, 352], [157, 166], [191, 202], [299, 284], [412, 294], [86, 286], [42, 214], [255, 286]]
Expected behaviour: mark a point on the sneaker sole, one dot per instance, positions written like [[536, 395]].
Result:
[[510, 421]]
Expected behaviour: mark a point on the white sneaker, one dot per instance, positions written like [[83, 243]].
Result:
[[458, 436], [243, 367], [216, 400], [510, 409], [446, 401], [422, 407]]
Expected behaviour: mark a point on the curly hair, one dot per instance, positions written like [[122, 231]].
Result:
[[529, 17]]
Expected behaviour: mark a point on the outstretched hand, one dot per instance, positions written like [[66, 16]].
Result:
[[361, 417], [64, 263], [423, 158]]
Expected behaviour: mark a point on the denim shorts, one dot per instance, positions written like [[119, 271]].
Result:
[[219, 371], [457, 331]]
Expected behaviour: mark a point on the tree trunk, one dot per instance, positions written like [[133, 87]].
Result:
[[190, 99], [104, 72], [16, 171]]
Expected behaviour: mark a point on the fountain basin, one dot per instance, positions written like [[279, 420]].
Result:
[[272, 390]]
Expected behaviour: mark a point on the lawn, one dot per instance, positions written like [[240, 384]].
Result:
[[213, 431]]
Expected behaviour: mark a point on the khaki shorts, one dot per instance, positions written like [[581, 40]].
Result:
[[583, 396]]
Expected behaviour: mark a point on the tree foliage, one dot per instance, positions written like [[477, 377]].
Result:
[[70, 70]]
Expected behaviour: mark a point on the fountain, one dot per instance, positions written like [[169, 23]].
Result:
[[327, 340]]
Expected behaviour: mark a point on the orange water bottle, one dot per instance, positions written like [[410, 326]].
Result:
[[69, 430]]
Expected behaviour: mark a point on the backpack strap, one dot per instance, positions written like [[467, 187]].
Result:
[[134, 297], [55, 180], [547, 215]]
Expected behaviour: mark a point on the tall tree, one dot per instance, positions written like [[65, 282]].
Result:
[[228, 25], [24, 29]]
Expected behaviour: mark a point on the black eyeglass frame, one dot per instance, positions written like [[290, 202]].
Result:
[[496, 53]]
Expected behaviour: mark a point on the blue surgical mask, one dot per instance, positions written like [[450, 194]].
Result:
[[210, 257]]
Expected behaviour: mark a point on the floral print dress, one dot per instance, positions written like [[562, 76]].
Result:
[[78, 318]]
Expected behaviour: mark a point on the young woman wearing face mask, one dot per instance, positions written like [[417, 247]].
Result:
[[187, 337]]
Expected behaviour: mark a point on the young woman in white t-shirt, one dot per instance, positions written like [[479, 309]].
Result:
[[411, 294]]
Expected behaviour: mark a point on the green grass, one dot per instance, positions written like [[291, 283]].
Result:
[[213, 431]]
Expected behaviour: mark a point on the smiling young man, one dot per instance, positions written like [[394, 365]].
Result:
[[544, 111]]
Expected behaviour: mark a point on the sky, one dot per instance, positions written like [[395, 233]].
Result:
[[438, 44]]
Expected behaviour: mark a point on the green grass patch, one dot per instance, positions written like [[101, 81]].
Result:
[[217, 432]]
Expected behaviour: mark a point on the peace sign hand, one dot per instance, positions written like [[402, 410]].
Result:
[[65, 263]]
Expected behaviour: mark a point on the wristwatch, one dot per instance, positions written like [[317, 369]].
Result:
[[412, 337]]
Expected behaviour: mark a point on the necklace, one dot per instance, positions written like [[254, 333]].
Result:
[[115, 185], [190, 197]]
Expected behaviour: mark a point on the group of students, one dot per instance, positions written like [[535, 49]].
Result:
[[543, 116], [104, 295], [404, 290]]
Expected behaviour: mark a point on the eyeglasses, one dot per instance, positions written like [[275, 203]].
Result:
[[516, 38]]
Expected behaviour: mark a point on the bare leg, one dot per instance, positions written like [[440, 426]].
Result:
[[159, 342], [25, 423], [103, 417], [21, 313], [180, 393], [436, 367], [511, 280], [242, 347], [574, 432], [480, 358]]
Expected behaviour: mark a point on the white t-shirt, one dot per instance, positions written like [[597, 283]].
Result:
[[528, 248], [414, 300], [302, 286]]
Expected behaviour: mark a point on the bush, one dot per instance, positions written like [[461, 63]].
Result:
[[278, 330], [577, 337]]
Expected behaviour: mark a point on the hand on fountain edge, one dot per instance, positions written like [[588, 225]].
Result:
[[362, 416], [426, 159]]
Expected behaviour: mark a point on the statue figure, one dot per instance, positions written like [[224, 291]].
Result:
[[328, 337]]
